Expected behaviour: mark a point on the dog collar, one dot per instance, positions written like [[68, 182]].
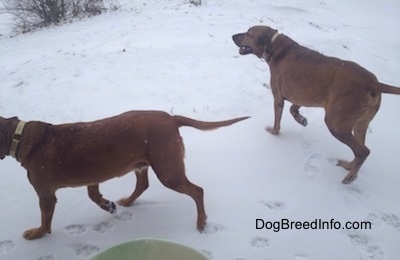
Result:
[[274, 37], [267, 55], [16, 138]]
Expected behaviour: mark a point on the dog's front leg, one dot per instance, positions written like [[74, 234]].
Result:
[[97, 197], [278, 108], [47, 205]]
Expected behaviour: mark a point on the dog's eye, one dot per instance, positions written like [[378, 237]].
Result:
[[248, 35]]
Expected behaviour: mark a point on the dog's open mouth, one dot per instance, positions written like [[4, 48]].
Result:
[[244, 50]]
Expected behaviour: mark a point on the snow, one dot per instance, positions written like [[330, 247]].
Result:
[[173, 56]]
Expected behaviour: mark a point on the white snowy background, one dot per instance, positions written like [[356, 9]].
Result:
[[172, 56]]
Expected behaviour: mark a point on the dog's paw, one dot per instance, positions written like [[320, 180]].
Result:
[[345, 164], [303, 121], [211, 228], [110, 207], [34, 233], [272, 130], [349, 178], [126, 202]]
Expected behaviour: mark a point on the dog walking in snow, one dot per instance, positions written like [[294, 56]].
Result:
[[86, 154], [350, 94]]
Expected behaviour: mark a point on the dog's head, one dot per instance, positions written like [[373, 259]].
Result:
[[257, 40], [6, 132]]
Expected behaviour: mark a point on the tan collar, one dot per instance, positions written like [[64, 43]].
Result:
[[274, 37], [16, 138]]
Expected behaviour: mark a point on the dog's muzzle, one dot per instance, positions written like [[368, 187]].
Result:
[[244, 50]]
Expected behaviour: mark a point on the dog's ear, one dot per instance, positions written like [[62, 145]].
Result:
[[5, 136], [264, 39]]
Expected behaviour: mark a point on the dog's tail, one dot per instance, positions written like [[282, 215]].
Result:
[[185, 121], [383, 88]]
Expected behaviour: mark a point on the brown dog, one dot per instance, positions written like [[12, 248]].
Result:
[[86, 154], [350, 94]]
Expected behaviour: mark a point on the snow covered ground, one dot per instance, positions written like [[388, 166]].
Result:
[[172, 56]]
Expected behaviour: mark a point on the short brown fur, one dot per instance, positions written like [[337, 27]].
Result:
[[86, 154], [350, 94]]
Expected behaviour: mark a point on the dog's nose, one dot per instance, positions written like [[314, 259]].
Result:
[[235, 38]]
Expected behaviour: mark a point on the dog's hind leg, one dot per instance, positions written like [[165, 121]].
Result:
[[97, 197], [169, 167], [142, 183], [360, 132], [361, 127], [360, 151], [183, 185], [294, 110]]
